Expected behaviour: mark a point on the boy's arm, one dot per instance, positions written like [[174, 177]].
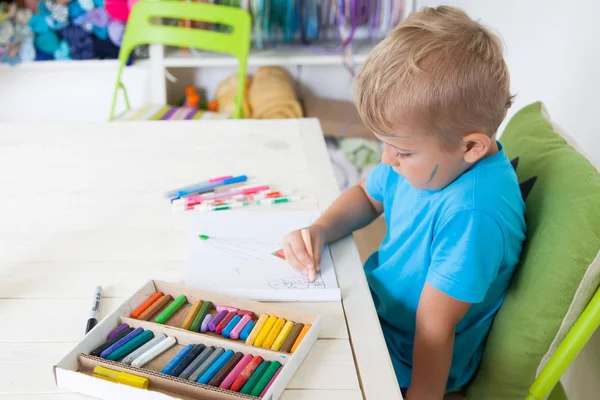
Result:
[[354, 209], [437, 316]]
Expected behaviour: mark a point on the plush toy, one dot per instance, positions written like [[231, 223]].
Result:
[[225, 96]]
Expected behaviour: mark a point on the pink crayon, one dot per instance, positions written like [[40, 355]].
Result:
[[235, 332], [236, 371], [227, 308]]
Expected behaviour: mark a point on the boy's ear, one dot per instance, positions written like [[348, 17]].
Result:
[[475, 146]]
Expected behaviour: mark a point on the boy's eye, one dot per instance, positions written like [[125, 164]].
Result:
[[404, 155]]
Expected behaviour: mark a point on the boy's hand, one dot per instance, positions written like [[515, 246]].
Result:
[[297, 253]]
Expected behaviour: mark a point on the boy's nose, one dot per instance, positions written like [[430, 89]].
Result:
[[388, 156]]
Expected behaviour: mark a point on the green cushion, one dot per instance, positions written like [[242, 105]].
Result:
[[558, 273]]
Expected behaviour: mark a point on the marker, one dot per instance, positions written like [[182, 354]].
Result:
[[278, 200], [120, 377], [93, 319], [307, 242], [173, 193], [190, 201], [203, 208], [268, 195], [212, 185]]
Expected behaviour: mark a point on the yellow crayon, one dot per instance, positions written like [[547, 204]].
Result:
[[256, 330], [285, 331], [264, 332], [187, 322], [273, 333]]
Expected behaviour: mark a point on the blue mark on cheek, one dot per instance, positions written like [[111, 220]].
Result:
[[433, 173]]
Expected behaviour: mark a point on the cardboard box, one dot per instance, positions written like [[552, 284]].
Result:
[[74, 371], [338, 118]]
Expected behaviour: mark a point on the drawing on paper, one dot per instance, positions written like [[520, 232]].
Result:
[[239, 252]]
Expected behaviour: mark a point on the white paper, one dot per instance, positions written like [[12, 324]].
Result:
[[237, 258]]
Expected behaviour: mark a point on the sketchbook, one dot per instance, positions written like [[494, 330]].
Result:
[[237, 253]]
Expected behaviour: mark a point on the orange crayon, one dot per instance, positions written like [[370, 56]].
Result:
[[138, 311], [300, 337]]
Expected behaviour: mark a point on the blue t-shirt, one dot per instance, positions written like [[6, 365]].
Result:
[[464, 240]]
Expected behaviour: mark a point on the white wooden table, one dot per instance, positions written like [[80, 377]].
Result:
[[82, 205]]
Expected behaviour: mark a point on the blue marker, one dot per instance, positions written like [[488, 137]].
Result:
[[247, 329], [173, 363], [213, 369], [209, 186], [229, 327]]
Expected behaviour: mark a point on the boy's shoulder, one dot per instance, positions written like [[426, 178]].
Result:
[[490, 186]]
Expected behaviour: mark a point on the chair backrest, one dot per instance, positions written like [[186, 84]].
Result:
[[142, 30], [559, 270]]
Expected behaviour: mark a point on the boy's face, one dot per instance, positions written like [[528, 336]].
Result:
[[423, 160]]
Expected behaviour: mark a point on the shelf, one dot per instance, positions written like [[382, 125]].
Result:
[[65, 65], [282, 56]]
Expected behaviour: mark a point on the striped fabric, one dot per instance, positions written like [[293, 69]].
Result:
[[168, 113]]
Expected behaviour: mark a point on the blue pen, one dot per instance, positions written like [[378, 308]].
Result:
[[173, 363], [235, 179], [229, 327], [247, 329], [173, 193], [212, 371]]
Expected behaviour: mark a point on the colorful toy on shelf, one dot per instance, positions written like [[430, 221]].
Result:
[[192, 99]]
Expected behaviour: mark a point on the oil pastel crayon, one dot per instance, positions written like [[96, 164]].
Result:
[[236, 371], [187, 373], [273, 333], [187, 360], [300, 337], [225, 370], [141, 350], [153, 309], [247, 389], [131, 345], [266, 389], [230, 325], [138, 311], [241, 313], [204, 310], [96, 352], [173, 363], [226, 308], [264, 332], [187, 322], [171, 309], [206, 364], [246, 373], [204, 326], [215, 367], [154, 352], [226, 319], [116, 331], [257, 328], [121, 342], [291, 339], [237, 329], [285, 332], [212, 325], [265, 378], [247, 330]]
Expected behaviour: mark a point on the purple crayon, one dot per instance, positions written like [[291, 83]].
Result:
[[212, 325], [116, 331], [121, 342], [204, 326]]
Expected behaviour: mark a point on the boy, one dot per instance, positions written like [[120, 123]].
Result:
[[434, 92]]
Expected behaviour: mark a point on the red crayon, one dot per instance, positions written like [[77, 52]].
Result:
[[241, 380], [224, 322]]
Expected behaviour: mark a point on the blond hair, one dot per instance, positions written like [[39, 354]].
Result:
[[438, 72]]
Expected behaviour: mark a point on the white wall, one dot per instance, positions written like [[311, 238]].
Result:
[[553, 53]]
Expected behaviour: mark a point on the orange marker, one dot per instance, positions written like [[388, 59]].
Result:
[[138, 311], [300, 337]]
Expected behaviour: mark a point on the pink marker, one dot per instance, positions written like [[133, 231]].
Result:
[[222, 195], [270, 383], [235, 332], [236, 371], [227, 308], [173, 193]]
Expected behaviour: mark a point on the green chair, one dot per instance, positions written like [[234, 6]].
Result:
[[552, 306], [141, 30]]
